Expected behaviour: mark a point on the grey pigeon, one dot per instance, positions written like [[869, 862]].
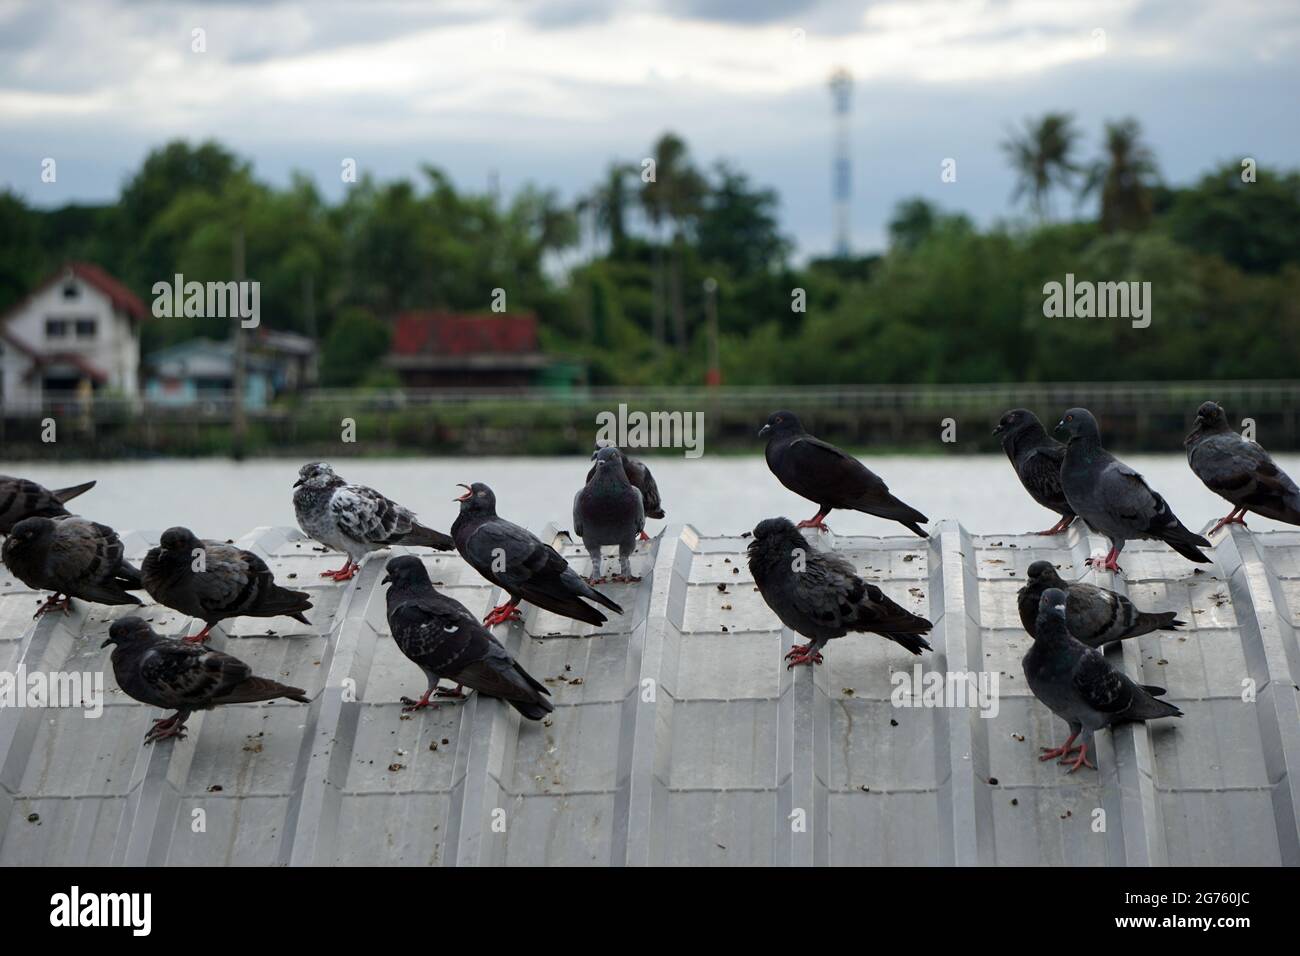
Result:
[[1096, 616], [833, 479], [1114, 499], [1036, 457], [213, 581], [444, 639], [608, 510], [20, 498], [819, 595], [515, 560], [72, 556], [639, 474], [1079, 685], [1239, 470], [174, 675], [355, 519]]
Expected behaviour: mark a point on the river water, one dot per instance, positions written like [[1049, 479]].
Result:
[[717, 494]]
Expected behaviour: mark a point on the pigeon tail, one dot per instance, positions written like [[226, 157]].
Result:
[[895, 510], [422, 537], [282, 601], [262, 688], [912, 642], [1149, 708], [1161, 620], [1189, 549], [67, 494]]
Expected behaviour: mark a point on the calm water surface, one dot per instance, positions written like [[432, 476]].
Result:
[[220, 499]]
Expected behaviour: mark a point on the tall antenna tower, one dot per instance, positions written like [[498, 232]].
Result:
[[841, 175]]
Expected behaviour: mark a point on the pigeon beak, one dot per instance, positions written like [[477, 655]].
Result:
[[299, 482], [107, 641], [469, 493], [386, 579], [1060, 425], [765, 431], [998, 429]]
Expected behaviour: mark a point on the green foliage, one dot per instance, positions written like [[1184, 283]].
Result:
[[356, 342]]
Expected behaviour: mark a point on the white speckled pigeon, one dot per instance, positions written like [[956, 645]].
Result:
[[833, 479], [1037, 458], [183, 677], [1114, 499], [639, 474], [818, 594], [73, 556], [439, 634], [20, 498], [608, 510], [1096, 616], [1239, 470], [1079, 685], [228, 582], [355, 519], [515, 560]]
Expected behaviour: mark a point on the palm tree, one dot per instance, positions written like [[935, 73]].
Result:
[[1125, 178], [1041, 155], [608, 204], [673, 197]]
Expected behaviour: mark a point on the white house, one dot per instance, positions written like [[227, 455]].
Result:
[[78, 331]]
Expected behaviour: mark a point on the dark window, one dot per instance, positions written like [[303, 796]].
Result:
[[69, 290], [85, 328], [56, 328]]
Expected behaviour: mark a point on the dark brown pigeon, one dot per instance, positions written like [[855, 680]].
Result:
[[608, 509], [20, 498], [1114, 499], [638, 473], [1080, 686], [1239, 471], [833, 479], [439, 634], [174, 675], [232, 582], [819, 595], [515, 560], [1036, 456], [73, 556], [1096, 616]]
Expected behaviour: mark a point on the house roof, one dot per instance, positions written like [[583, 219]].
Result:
[[122, 298], [451, 334], [679, 736]]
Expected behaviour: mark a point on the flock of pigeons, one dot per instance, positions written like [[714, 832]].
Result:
[[815, 593]]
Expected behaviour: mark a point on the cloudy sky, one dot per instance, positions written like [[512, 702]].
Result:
[[552, 91]]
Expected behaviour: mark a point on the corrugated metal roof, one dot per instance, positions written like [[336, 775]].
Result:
[[679, 737]]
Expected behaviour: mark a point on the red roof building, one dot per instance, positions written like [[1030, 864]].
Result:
[[452, 350]]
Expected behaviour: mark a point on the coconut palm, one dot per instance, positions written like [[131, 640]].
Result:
[[672, 198], [1042, 157], [1125, 178]]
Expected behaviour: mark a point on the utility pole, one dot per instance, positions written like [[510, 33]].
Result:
[[238, 421]]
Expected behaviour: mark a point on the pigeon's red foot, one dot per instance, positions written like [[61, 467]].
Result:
[[1081, 760], [345, 573], [198, 638], [455, 693], [1235, 516], [594, 581], [817, 522], [1108, 563], [414, 705], [1051, 753], [171, 726], [802, 654], [54, 603], [625, 579], [644, 537], [1058, 527], [502, 613]]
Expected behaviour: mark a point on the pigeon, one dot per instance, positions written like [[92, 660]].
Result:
[[1036, 456], [1095, 615], [439, 634], [1080, 686], [72, 556], [355, 519], [639, 474], [1114, 499], [1239, 470], [174, 675], [20, 498], [515, 560], [829, 477], [608, 510], [212, 581], [818, 594]]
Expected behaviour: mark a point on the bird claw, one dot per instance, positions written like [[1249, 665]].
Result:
[[802, 654], [413, 705], [53, 602], [1051, 753], [162, 729], [814, 523], [345, 573], [456, 693], [643, 537], [594, 581], [1081, 761], [501, 614], [1108, 563], [625, 579]]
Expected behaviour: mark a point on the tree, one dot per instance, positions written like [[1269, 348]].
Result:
[[608, 203], [1125, 178], [673, 198], [1253, 225], [1042, 156], [736, 225], [356, 342]]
